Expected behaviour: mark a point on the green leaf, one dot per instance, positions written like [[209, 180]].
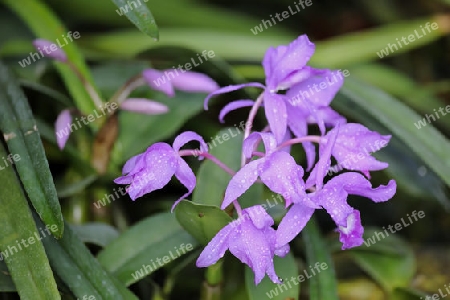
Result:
[[323, 285], [99, 234], [400, 85], [365, 45], [80, 271], [20, 241], [139, 15], [146, 247], [390, 269], [45, 24], [427, 142], [6, 282], [24, 143], [286, 268], [201, 221], [212, 180], [224, 44]]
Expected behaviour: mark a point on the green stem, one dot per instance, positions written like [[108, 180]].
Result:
[[211, 289]]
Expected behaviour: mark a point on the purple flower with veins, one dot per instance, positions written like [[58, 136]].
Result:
[[154, 168], [277, 170], [332, 196], [251, 239], [285, 68], [184, 80]]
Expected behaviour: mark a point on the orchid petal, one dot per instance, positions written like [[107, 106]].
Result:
[[230, 88], [162, 164], [159, 81], [185, 175], [241, 182], [276, 114], [62, 128], [233, 106], [292, 223], [354, 146], [194, 82], [288, 59], [144, 106], [297, 124], [186, 137], [243, 247], [58, 54], [319, 89], [259, 216], [282, 175], [131, 164], [251, 141], [216, 248]]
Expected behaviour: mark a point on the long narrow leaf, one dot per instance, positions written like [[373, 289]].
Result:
[[24, 143], [323, 285], [80, 271], [20, 242]]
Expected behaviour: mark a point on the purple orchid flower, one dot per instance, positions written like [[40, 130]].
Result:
[[167, 80], [332, 196], [136, 105], [285, 68], [56, 52], [354, 145], [154, 168], [63, 121], [251, 239], [277, 170]]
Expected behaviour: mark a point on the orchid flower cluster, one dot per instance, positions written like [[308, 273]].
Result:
[[292, 102], [185, 81], [251, 237]]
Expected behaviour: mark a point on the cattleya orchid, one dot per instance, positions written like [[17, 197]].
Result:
[[251, 237], [185, 81]]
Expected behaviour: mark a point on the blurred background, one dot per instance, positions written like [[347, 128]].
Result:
[[388, 94]]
